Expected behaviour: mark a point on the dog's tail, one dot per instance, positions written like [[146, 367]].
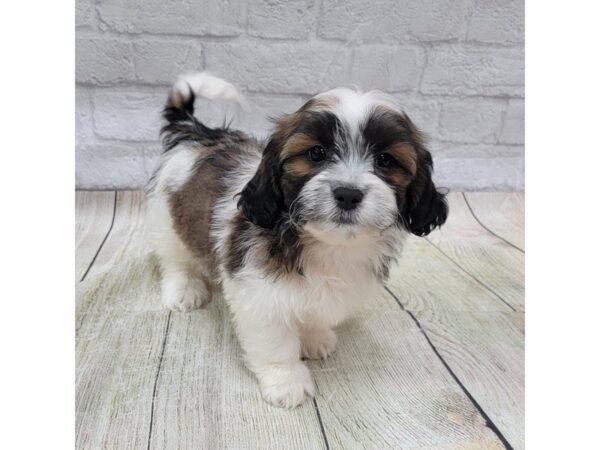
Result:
[[203, 84], [179, 110]]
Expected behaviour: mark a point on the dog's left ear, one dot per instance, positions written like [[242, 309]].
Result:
[[425, 208], [261, 200]]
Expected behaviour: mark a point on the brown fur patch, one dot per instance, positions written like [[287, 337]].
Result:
[[405, 154], [176, 100], [298, 166], [398, 178], [323, 103], [285, 125], [298, 143], [191, 206]]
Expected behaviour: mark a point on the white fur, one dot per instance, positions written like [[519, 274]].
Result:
[[182, 284], [207, 86], [278, 320], [354, 105]]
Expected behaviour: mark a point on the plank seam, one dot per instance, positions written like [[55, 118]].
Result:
[[471, 275], [103, 240], [321, 426], [160, 360], [506, 241], [488, 421]]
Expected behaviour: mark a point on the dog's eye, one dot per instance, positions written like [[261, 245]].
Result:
[[317, 154], [384, 160]]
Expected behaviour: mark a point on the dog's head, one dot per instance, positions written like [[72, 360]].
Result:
[[345, 161]]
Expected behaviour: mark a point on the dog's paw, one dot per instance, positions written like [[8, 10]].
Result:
[[287, 386], [185, 299], [318, 344]]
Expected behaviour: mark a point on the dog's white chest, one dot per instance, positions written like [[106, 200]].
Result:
[[339, 292]]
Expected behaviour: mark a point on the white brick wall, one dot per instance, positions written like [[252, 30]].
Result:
[[456, 65]]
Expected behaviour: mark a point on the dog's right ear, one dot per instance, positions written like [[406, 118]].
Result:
[[261, 200]]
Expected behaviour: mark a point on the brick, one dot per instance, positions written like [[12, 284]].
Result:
[[471, 120], [465, 70], [394, 21], [387, 68], [436, 20], [513, 131], [253, 117], [450, 150], [160, 61], [84, 125], [304, 68], [477, 167], [103, 60], [109, 165], [188, 17], [498, 21], [423, 112], [128, 114], [85, 14], [469, 101], [292, 19], [487, 173], [152, 152]]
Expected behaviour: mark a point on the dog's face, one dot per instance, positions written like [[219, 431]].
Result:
[[345, 162]]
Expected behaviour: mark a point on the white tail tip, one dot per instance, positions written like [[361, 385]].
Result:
[[204, 85]]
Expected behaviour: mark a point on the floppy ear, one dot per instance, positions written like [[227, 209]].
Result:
[[261, 200], [425, 211], [425, 208]]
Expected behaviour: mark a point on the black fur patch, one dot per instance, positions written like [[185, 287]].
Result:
[[266, 200], [182, 126], [271, 191], [384, 128], [323, 125], [422, 207]]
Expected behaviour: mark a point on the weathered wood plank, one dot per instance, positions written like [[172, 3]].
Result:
[[223, 407], [125, 241], [119, 340], [480, 337], [503, 213], [203, 394], [487, 258], [206, 398], [384, 387], [93, 216], [117, 358], [486, 352]]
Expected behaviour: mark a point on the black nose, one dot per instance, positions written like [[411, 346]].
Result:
[[347, 198]]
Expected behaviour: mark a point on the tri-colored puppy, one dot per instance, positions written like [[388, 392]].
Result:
[[298, 231]]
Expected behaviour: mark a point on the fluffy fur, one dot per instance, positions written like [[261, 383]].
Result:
[[298, 231]]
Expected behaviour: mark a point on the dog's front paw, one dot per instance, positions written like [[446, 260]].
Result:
[[183, 298], [318, 343], [286, 386]]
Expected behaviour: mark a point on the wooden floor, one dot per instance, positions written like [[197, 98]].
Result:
[[436, 361]]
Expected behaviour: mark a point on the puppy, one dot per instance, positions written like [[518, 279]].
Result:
[[298, 231]]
